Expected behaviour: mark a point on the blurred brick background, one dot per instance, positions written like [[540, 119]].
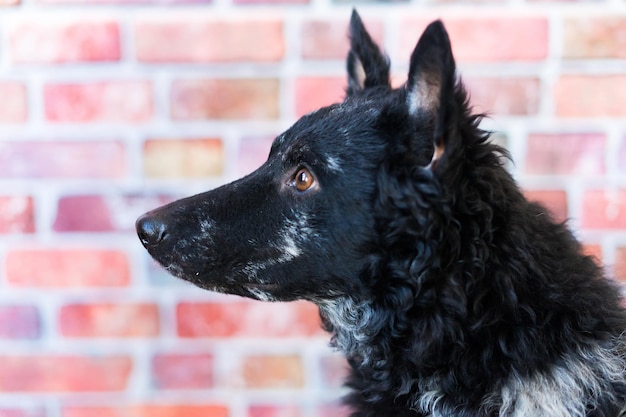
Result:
[[111, 107]]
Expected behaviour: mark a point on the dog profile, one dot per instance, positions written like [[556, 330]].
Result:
[[448, 292]]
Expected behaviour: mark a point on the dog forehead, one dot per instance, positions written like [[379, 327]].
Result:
[[334, 126]]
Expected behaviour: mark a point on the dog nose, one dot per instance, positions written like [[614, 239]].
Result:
[[151, 230]]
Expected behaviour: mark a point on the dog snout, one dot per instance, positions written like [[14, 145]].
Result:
[[151, 230]]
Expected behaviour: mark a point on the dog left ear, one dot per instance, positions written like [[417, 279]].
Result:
[[431, 83], [367, 65]]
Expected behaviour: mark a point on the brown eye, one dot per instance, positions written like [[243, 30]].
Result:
[[303, 179]]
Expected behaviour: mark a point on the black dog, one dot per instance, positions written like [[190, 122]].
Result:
[[448, 292]]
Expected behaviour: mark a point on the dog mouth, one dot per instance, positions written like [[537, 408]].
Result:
[[261, 287], [262, 292]]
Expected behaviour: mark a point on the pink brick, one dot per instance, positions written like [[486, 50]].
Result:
[[586, 96], [252, 153], [595, 37], [110, 101], [52, 41], [104, 213], [123, 2], [62, 159], [195, 40], [620, 264], [19, 322], [33, 411], [67, 268], [183, 158], [271, 2], [13, 107], [109, 320], [621, 157], [566, 154], [248, 319], [226, 99], [334, 370], [274, 411], [553, 200], [273, 371], [181, 371], [505, 96], [88, 213], [333, 409], [28, 373], [315, 92], [17, 214], [324, 39], [470, 3], [604, 209], [162, 410], [484, 39]]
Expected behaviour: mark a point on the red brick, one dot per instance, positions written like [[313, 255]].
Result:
[[67, 268], [590, 96], [324, 39], [109, 320], [179, 371], [594, 37], [17, 214], [485, 39], [109, 101], [553, 200], [63, 373], [13, 107], [274, 411], [53, 41], [225, 99], [248, 319], [595, 251], [505, 96], [286, 371], [566, 154], [62, 159], [201, 40], [604, 209], [315, 92], [148, 411], [183, 158], [19, 322], [252, 153], [620, 264]]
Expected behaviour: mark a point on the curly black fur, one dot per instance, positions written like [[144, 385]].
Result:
[[449, 293]]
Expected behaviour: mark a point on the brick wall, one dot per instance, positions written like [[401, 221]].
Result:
[[111, 107]]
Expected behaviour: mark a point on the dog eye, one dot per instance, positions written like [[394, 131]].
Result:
[[303, 179]]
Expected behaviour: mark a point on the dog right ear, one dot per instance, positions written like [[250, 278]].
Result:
[[431, 85], [367, 65]]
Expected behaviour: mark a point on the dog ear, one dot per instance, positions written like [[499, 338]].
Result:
[[431, 83], [367, 65]]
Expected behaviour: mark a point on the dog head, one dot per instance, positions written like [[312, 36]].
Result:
[[302, 226]]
